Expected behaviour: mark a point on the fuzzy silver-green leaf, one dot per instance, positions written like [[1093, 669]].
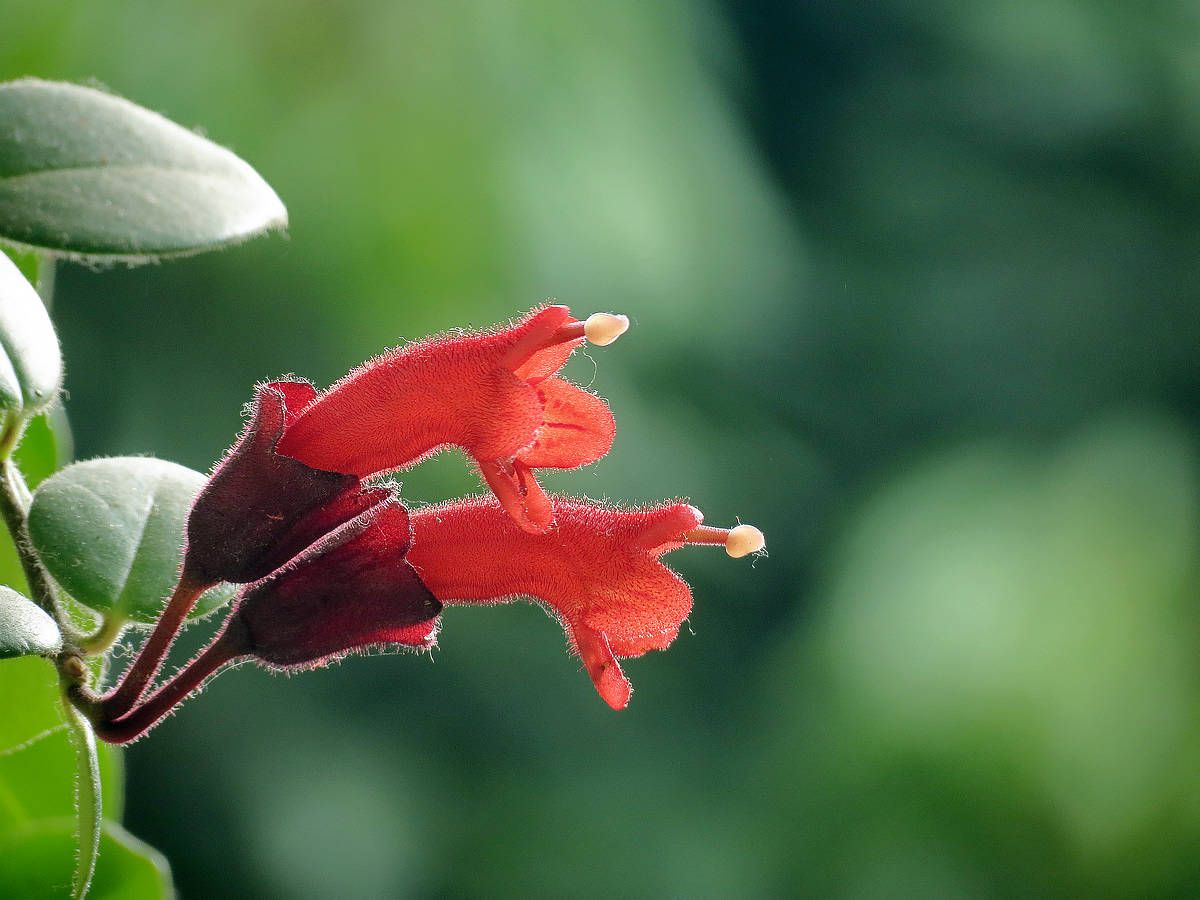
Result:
[[25, 628], [30, 358], [111, 532], [86, 174]]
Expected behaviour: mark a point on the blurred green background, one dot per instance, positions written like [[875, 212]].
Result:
[[914, 289]]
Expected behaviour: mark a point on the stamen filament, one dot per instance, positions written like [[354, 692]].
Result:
[[572, 331], [706, 534]]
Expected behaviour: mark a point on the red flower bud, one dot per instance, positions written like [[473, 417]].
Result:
[[599, 571], [494, 394]]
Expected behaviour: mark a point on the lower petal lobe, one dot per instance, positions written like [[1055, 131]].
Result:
[[577, 427]]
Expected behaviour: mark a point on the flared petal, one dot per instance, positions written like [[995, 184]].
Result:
[[598, 571], [626, 649], [577, 427], [602, 666], [519, 494], [642, 611]]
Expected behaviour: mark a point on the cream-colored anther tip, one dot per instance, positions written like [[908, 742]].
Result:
[[602, 329], [744, 540]]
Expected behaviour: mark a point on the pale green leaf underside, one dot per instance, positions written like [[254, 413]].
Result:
[[30, 359], [111, 532], [25, 628], [85, 173]]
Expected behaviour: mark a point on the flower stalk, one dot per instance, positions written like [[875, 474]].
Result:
[[149, 659], [123, 728]]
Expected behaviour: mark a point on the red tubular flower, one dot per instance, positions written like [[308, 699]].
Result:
[[599, 571], [495, 394]]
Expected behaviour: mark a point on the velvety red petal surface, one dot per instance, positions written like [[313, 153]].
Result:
[[577, 427], [598, 570], [546, 362], [530, 352], [601, 664], [454, 389], [643, 610], [519, 493], [398, 409]]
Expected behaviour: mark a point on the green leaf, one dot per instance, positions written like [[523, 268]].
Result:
[[86, 174], [37, 760], [38, 845], [45, 446], [25, 628], [11, 572], [110, 531], [38, 269], [37, 860], [27, 261], [30, 360], [89, 799]]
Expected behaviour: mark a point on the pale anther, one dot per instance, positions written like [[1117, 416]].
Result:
[[602, 329], [744, 540]]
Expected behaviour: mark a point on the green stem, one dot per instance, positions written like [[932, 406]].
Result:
[[10, 435], [87, 797], [14, 509], [103, 637]]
